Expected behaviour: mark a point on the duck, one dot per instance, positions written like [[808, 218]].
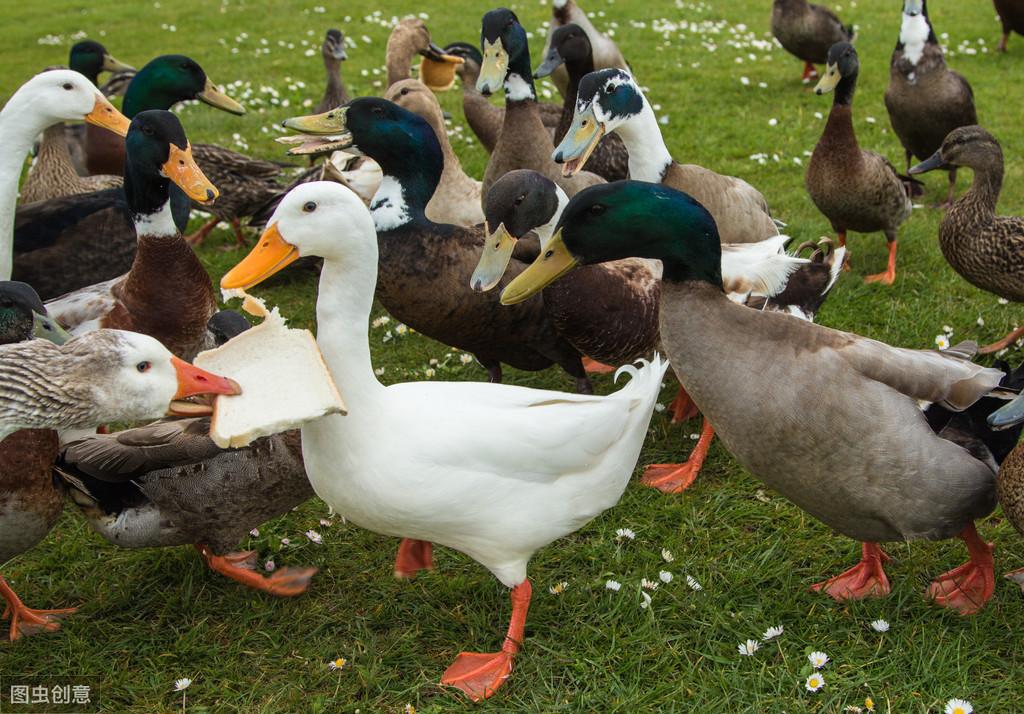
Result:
[[807, 31], [409, 38], [461, 477], [855, 189], [1010, 484], [925, 99], [48, 98], [938, 481], [167, 293], [333, 52], [419, 257], [1011, 15], [606, 53], [610, 100], [987, 250], [484, 119], [570, 47], [105, 376], [53, 174], [523, 142], [609, 312], [457, 199], [167, 484]]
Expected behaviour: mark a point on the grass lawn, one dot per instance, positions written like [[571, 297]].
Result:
[[149, 617]]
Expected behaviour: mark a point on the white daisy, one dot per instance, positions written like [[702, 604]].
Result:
[[748, 648], [401, 329], [665, 576], [337, 664], [625, 534], [558, 588], [315, 537], [613, 585], [185, 683], [817, 660], [958, 706], [942, 342], [326, 523], [815, 682], [286, 541], [666, 555], [879, 625], [772, 632], [692, 582], [465, 358]]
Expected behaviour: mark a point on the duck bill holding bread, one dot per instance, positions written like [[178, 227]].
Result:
[[321, 133], [196, 382]]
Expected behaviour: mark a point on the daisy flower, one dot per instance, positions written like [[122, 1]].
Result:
[[646, 601], [942, 342], [817, 660], [337, 664], [625, 534], [613, 585], [772, 632], [648, 584], [815, 682], [692, 582], [958, 706], [666, 555], [465, 358], [879, 625], [184, 683], [558, 588], [401, 329], [315, 537], [285, 541], [665, 576], [748, 648]]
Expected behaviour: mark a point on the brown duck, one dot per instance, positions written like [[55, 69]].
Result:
[[807, 31], [606, 52], [1011, 14]]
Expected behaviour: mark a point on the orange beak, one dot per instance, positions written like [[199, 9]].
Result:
[[105, 115], [270, 255], [182, 169], [193, 381]]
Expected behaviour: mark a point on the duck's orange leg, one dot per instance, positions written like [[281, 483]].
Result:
[[968, 588], [809, 71], [592, 366], [479, 674], [413, 556], [682, 407], [241, 567], [26, 621], [889, 276], [676, 478], [1003, 343], [866, 579]]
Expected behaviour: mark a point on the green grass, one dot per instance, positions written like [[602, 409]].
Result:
[[149, 617]]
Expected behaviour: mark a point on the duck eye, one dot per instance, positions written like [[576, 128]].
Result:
[[610, 89], [143, 366], [597, 209], [68, 86], [147, 130], [404, 91], [378, 111], [520, 199], [309, 206]]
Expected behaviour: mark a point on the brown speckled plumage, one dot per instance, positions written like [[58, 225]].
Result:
[[806, 30], [53, 173], [30, 501], [1010, 488], [245, 184]]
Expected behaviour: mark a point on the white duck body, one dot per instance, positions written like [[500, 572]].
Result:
[[491, 470]]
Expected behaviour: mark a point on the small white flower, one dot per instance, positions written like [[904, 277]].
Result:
[[817, 660], [648, 584], [558, 588], [625, 534], [185, 683], [379, 371], [666, 555], [981, 321], [815, 682], [744, 81], [315, 537], [1003, 301], [692, 582], [646, 601], [401, 329], [772, 632], [958, 706], [947, 329], [429, 372], [773, 122], [255, 532], [337, 664], [818, 115], [286, 541], [326, 523], [870, 120], [659, 407], [748, 648], [665, 576], [270, 566], [465, 358], [614, 585], [942, 342], [879, 625]]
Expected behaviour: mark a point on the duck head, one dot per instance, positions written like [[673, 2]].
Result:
[[61, 95], [569, 45], [506, 56], [225, 325], [90, 58], [841, 70], [320, 218], [333, 48], [169, 79], [23, 316], [606, 99], [621, 220], [969, 146], [519, 202]]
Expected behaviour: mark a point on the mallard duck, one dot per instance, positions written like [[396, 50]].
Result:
[[523, 143], [606, 52], [857, 190], [461, 477], [570, 47], [333, 53], [807, 31], [1011, 14], [105, 376], [419, 257], [986, 249], [46, 99], [926, 100], [167, 293], [53, 173], [935, 485], [611, 101], [457, 198]]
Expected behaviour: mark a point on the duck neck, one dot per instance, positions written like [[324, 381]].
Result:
[[142, 96], [519, 80], [410, 178], [547, 231], [19, 131], [649, 158], [398, 59], [984, 191]]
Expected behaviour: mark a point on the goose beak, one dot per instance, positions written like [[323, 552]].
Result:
[[1008, 416], [45, 327], [213, 96], [930, 164], [493, 260], [271, 255], [182, 169], [105, 115], [553, 263], [194, 382], [494, 69], [113, 65], [829, 81], [579, 142]]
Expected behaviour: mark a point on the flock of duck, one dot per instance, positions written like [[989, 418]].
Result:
[[585, 245]]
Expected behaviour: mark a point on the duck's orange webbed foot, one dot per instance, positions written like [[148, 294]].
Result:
[[240, 567], [413, 556], [676, 478], [864, 580], [592, 366], [968, 588], [24, 620], [480, 674], [888, 277]]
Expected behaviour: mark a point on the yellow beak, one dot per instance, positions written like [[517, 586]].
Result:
[[493, 260], [327, 124], [494, 69], [553, 263], [182, 169], [828, 82], [113, 65], [270, 255], [579, 142], [216, 98], [105, 115]]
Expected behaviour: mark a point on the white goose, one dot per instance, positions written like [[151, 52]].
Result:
[[494, 471], [50, 97]]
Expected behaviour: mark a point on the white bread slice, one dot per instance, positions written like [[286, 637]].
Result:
[[283, 377]]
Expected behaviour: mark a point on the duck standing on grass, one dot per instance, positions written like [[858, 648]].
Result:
[[494, 471], [807, 31], [914, 483], [1011, 15]]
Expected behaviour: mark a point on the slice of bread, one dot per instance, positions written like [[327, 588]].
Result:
[[283, 377]]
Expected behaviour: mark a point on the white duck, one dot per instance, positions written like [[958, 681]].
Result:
[[50, 97], [494, 471]]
